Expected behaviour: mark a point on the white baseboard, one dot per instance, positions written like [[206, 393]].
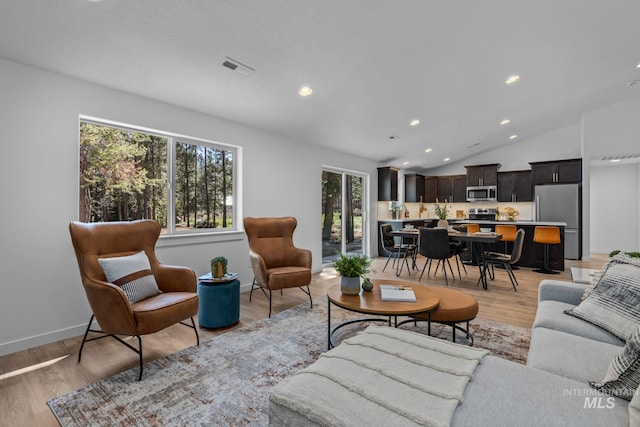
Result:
[[60, 334], [42, 339]]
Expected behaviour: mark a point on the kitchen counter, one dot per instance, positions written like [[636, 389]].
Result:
[[403, 220], [409, 220], [520, 222]]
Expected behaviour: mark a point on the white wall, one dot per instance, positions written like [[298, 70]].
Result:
[[614, 214], [563, 143], [609, 131], [43, 300]]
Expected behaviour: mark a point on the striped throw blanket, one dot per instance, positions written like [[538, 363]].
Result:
[[382, 377]]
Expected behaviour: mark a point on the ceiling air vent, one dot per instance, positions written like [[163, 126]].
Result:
[[621, 157], [237, 66]]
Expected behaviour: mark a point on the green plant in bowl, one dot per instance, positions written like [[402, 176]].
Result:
[[351, 268]]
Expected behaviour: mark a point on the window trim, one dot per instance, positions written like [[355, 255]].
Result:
[[172, 237]]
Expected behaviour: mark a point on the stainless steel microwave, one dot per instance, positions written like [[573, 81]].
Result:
[[484, 193]]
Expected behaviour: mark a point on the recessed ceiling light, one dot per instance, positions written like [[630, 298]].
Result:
[[428, 150], [614, 160], [514, 136], [414, 122], [638, 66], [446, 159], [512, 79], [405, 163], [505, 122], [305, 91]]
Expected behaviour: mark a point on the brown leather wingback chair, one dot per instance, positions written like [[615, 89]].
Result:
[[276, 262], [111, 307]]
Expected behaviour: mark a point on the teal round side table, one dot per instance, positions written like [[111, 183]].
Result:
[[219, 304]]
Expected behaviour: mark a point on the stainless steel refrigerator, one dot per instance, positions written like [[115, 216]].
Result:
[[562, 203]]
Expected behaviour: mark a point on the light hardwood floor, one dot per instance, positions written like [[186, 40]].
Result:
[[28, 379]]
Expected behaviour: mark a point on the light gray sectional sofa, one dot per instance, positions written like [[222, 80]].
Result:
[[552, 390]]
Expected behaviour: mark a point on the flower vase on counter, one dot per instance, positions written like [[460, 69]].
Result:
[[443, 223], [441, 212]]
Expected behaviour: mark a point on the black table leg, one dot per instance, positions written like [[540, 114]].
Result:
[[328, 324], [479, 259]]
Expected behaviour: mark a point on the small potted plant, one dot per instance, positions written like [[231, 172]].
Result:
[[351, 268], [442, 212], [219, 267]]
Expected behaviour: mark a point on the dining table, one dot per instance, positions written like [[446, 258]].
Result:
[[477, 240]]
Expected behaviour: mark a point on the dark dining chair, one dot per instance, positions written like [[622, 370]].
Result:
[[398, 251], [492, 259], [433, 243], [508, 236]]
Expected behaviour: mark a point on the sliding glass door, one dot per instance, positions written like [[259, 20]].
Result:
[[343, 213]]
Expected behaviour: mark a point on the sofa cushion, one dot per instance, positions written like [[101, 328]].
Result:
[[133, 274], [551, 315], [613, 299], [501, 393], [556, 290], [570, 356], [504, 393], [623, 376]]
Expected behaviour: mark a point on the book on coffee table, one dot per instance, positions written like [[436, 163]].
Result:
[[397, 293]]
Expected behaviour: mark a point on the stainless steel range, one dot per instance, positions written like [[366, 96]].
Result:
[[487, 214]]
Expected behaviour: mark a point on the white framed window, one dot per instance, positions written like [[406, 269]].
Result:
[[188, 185]]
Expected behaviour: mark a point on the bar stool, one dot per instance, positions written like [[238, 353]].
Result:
[[508, 233], [547, 236], [473, 228]]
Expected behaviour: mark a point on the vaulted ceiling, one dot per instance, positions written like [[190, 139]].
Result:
[[373, 65]]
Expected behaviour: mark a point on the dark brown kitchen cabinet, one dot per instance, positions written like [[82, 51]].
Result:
[[481, 175], [557, 172], [387, 184], [430, 189], [452, 188], [413, 188], [515, 186]]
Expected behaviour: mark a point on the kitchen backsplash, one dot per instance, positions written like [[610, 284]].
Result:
[[524, 208]]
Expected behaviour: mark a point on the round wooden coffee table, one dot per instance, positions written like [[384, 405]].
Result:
[[371, 303]]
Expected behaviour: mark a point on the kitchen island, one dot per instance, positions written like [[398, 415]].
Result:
[[532, 253]]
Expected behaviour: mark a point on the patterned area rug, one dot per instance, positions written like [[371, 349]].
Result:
[[226, 380]]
